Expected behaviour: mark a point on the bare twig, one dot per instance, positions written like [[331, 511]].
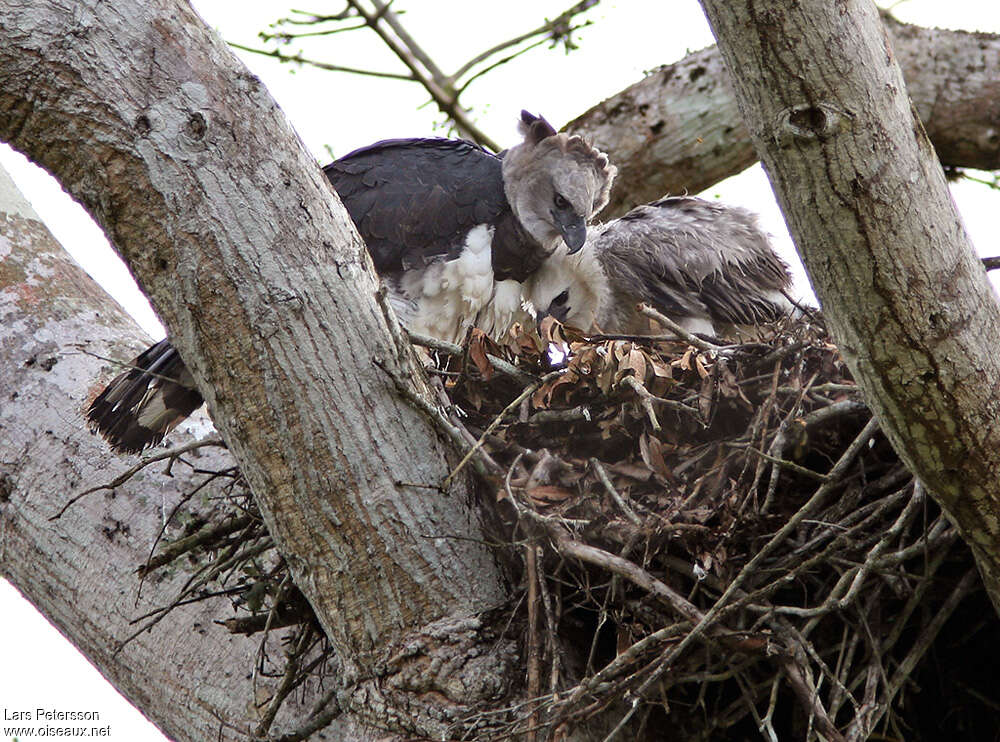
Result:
[[287, 681], [645, 398], [454, 349], [610, 489], [172, 454], [561, 21], [410, 55], [809, 699], [208, 534], [483, 465], [323, 714], [533, 659], [299, 59], [691, 338], [858, 731]]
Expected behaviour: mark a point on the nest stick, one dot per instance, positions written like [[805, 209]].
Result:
[[691, 338], [610, 488]]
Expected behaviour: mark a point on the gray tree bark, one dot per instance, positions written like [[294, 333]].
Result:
[[232, 231], [679, 129], [79, 570], [867, 204]]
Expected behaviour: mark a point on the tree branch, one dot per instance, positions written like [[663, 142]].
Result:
[[903, 292], [86, 583], [240, 243], [679, 130]]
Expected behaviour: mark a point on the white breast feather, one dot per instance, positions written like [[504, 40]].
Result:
[[455, 293], [506, 308]]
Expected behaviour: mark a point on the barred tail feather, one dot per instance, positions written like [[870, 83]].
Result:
[[144, 403]]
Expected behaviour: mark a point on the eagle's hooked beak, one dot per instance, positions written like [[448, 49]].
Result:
[[574, 232]]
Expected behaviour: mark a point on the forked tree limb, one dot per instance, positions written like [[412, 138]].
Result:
[[236, 237], [79, 569]]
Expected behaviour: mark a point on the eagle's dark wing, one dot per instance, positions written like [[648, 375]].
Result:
[[416, 199], [144, 403]]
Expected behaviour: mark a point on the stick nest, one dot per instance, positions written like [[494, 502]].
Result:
[[709, 543]]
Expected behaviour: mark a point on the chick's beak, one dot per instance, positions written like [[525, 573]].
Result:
[[557, 311]]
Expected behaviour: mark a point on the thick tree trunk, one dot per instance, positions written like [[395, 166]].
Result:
[[231, 230], [79, 570], [868, 206], [679, 129]]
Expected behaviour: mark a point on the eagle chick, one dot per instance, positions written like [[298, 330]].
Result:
[[705, 265]]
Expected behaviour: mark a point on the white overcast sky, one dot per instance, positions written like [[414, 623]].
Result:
[[343, 112]]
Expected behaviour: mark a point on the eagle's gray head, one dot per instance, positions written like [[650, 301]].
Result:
[[555, 183]]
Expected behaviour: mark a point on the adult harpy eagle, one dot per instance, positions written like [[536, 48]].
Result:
[[705, 265], [452, 229]]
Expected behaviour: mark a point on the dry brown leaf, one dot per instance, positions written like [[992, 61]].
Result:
[[703, 368], [522, 344], [651, 451], [548, 494], [632, 471], [684, 362], [706, 401], [632, 361], [563, 385], [478, 348]]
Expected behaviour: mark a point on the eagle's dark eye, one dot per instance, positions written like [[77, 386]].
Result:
[[562, 298], [560, 202]]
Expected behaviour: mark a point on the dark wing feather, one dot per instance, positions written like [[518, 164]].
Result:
[[414, 199], [144, 403]]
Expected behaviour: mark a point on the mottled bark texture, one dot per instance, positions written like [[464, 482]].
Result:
[[79, 570], [867, 203], [679, 129], [145, 116]]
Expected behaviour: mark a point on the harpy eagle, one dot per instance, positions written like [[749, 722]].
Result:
[[453, 231], [705, 265]]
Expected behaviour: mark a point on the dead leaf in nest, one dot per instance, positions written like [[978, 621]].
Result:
[[726, 381], [706, 398], [551, 330], [479, 346], [542, 398], [522, 344], [703, 368], [586, 360], [632, 360], [706, 561], [685, 361], [661, 370], [548, 494], [651, 451], [625, 638], [474, 397], [632, 471], [699, 515]]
